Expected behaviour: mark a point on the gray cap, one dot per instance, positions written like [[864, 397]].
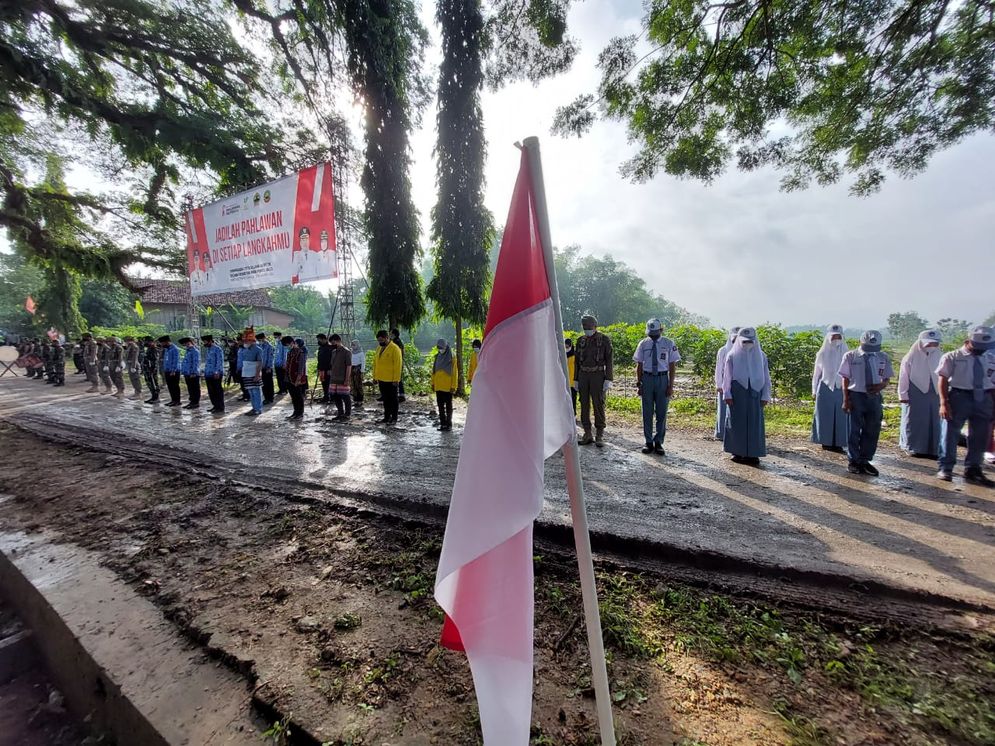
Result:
[[870, 341], [982, 338]]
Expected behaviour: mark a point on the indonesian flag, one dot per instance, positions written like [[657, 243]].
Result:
[[29, 305], [520, 414]]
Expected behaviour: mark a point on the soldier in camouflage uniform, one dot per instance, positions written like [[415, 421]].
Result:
[[593, 374], [90, 362], [150, 367], [115, 358], [48, 358], [104, 364], [59, 360], [133, 364]]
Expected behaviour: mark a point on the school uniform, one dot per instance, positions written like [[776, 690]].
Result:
[[214, 367], [171, 373], [918, 390], [269, 355], [190, 368], [656, 357], [829, 423], [860, 369], [720, 367], [971, 380], [746, 382]]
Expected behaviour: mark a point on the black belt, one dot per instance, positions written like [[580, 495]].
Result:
[[595, 369]]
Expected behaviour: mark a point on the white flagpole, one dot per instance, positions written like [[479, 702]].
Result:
[[575, 483]]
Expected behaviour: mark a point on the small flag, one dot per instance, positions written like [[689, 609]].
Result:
[[485, 582], [29, 305], [138, 309]]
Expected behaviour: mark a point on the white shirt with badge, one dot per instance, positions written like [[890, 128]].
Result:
[[666, 352], [852, 368], [958, 368]]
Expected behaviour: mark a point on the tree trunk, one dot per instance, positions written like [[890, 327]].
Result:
[[461, 382]]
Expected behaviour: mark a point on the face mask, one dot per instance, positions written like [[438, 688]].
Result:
[[654, 335], [588, 332], [440, 348], [477, 348], [245, 345], [383, 342], [976, 351], [747, 343]]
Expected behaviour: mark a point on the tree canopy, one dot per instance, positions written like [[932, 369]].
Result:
[[818, 89], [906, 325]]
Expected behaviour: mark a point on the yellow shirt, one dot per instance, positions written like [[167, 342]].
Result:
[[571, 367], [473, 365], [387, 364], [444, 380]]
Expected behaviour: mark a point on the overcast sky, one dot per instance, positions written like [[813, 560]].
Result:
[[739, 251]]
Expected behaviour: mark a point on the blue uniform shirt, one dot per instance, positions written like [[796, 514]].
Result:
[[191, 362], [239, 357], [214, 361], [280, 358], [267, 349], [171, 359]]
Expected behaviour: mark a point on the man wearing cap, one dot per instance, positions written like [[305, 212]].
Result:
[[919, 392], [280, 363], [594, 377], [720, 369], [150, 367], [866, 372], [967, 394], [132, 363], [252, 371], [214, 368], [190, 369], [171, 369], [268, 356], [656, 359]]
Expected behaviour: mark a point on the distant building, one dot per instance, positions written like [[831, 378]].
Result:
[[167, 302]]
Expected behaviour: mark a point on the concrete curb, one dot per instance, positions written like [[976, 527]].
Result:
[[122, 667]]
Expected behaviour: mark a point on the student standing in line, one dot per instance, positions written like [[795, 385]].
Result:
[[967, 394], [296, 371], [656, 359], [919, 392], [214, 366], [866, 373], [829, 419], [339, 378], [358, 366], [171, 369], [720, 371], [280, 363], [268, 358], [746, 389], [444, 381], [190, 368]]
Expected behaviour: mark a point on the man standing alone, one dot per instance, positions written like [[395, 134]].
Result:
[[594, 378], [387, 374], [656, 359]]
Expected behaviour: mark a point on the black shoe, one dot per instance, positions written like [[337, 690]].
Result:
[[648, 448], [173, 404], [976, 476], [854, 468], [869, 470], [658, 449], [210, 409], [738, 459], [401, 399], [944, 475], [191, 406], [153, 400], [252, 413]]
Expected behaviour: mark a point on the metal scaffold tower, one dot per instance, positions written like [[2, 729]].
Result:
[[341, 168]]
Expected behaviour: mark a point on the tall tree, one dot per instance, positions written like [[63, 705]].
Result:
[[865, 86], [906, 325], [153, 88], [462, 227]]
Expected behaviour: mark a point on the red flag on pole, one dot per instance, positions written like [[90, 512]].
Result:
[[520, 415], [29, 305]]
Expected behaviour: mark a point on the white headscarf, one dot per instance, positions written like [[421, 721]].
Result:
[[830, 356], [720, 358], [747, 360], [923, 361]]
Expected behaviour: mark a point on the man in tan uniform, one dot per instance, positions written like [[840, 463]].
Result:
[[593, 374]]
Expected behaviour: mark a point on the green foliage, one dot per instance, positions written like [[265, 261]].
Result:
[[106, 303], [791, 358], [954, 331], [610, 290], [310, 309], [19, 278], [906, 326], [864, 85]]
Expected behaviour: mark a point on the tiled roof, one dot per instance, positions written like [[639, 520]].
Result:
[[178, 292]]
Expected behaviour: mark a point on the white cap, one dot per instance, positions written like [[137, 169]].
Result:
[[834, 329], [930, 336], [653, 325], [870, 341], [982, 338]]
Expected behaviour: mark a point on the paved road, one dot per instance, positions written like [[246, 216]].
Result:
[[801, 510]]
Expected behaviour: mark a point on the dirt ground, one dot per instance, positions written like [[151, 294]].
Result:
[[328, 613]]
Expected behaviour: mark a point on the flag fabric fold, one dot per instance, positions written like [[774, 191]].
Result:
[[29, 305], [520, 414]]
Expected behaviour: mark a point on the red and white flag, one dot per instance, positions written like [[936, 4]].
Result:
[[29, 305], [520, 414]]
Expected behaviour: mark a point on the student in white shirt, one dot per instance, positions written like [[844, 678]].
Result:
[[656, 359], [866, 373]]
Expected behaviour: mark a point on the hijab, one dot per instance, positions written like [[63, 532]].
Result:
[[748, 368], [830, 356], [356, 349], [443, 358], [923, 361]]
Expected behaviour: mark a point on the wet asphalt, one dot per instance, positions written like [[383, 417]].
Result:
[[800, 510]]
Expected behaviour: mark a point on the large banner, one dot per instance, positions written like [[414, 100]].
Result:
[[280, 233]]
